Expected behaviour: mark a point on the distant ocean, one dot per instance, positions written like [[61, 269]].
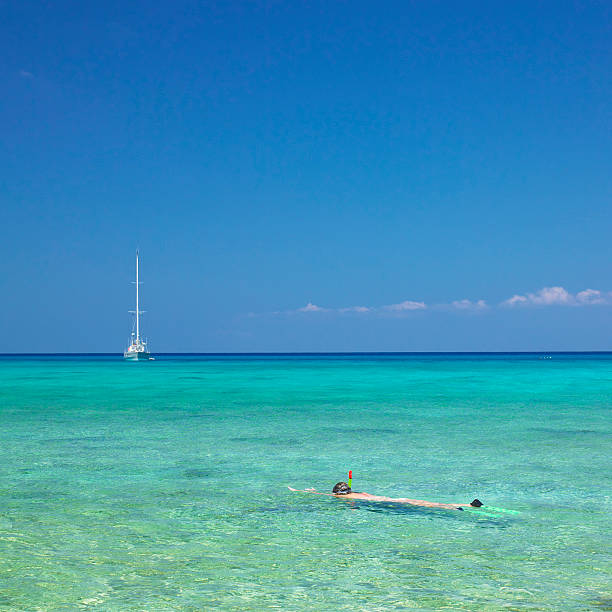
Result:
[[163, 485]]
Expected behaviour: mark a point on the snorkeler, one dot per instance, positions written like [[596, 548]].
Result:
[[341, 489], [344, 491]]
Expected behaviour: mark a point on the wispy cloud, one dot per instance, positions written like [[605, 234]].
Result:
[[556, 296], [362, 309], [405, 306], [590, 296], [469, 305], [310, 307], [547, 296], [515, 300], [25, 74]]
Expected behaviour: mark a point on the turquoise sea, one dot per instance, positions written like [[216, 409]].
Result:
[[163, 485]]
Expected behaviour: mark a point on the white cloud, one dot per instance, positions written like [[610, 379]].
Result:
[[310, 307], [556, 296], [25, 74], [406, 305], [590, 296], [355, 309], [515, 300], [547, 296], [551, 295], [469, 305]]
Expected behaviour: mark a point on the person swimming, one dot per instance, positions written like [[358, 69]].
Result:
[[341, 489]]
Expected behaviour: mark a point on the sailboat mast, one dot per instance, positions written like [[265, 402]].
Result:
[[137, 310]]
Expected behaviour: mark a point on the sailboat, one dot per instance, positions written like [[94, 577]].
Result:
[[138, 347]]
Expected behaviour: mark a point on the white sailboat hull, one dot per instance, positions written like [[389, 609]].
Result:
[[137, 355]]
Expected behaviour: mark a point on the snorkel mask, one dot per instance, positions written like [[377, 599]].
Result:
[[341, 488]]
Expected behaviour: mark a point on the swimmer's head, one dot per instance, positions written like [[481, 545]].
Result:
[[476, 503], [341, 488]]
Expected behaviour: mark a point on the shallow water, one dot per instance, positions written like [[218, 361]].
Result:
[[163, 485]]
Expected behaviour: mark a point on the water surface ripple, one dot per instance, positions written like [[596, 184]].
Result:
[[163, 485]]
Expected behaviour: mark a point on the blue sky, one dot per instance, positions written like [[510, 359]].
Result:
[[264, 156]]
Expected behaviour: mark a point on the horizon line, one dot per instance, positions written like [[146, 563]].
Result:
[[294, 353]]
